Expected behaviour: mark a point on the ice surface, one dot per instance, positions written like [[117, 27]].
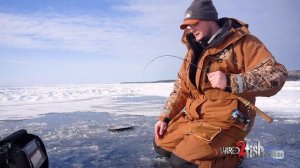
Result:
[[29, 102], [73, 122], [82, 139]]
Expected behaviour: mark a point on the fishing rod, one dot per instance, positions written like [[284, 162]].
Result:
[[161, 56], [246, 102]]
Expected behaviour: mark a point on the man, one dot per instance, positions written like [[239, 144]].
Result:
[[203, 113]]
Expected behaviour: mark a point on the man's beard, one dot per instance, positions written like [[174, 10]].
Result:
[[205, 39]]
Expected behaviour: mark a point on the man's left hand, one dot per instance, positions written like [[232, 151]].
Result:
[[217, 79]]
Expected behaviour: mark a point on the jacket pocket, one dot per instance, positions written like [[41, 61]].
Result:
[[205, 131], [218, 112]]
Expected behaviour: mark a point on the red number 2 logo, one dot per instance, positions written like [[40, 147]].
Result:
[[241, 145]]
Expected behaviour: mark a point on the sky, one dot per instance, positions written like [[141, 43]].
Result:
[[105, 41]]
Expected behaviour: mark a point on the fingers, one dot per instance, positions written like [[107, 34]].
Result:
[[217, 79], [213, 78], [213, 75], [157, 130], [160, 128]]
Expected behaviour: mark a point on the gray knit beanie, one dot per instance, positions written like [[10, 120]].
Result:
[[199, 9]]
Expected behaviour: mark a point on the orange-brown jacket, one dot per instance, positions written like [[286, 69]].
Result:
[[251, 68]]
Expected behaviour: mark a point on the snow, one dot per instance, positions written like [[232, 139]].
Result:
[[30, 102], [285, 103], [75, 121]]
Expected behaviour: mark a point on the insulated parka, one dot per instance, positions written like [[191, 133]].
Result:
[[250, 68]]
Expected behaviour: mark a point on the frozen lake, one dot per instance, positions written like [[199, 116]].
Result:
[[73, 119]]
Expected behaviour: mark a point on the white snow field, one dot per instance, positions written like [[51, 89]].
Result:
[[30, 102]]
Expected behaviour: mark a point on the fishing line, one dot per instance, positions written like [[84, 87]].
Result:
[[171, 56], [185, 60], [167, 55]]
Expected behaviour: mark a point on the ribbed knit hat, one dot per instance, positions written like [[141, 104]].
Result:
[[199, 9]]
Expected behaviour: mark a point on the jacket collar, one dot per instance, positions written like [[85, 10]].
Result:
[[229, 26], [230, 31]]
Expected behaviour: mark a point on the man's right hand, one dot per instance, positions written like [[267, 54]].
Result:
[[160, 128]]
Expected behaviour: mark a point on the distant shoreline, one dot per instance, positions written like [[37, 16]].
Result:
[[159, 81], [292, 76]]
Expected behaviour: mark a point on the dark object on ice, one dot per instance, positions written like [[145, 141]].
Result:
[[23, 150], [293, 75], [237, 115], [120, 127]]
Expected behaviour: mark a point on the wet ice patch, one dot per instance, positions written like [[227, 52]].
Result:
[[291, 121]]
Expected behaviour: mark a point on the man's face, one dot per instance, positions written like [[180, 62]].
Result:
[[201, 30]]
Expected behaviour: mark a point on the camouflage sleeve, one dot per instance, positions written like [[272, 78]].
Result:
[[268, 75], [177, 99]]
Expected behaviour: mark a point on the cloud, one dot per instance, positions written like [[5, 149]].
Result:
[[98, 45], [17, 62], [122, 36], [145, 27], [53, 32]]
